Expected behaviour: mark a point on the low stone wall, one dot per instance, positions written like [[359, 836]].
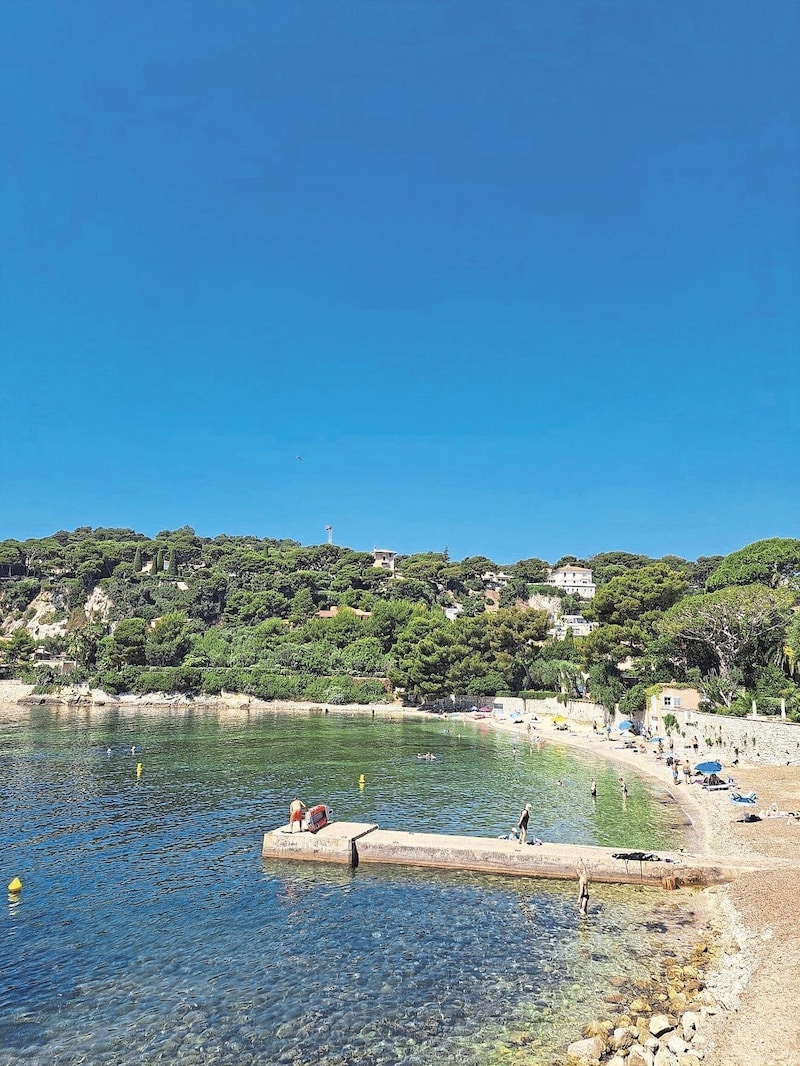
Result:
[[575, 710], [761, 741]]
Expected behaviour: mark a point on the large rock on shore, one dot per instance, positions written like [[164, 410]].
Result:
[[584, 1052]]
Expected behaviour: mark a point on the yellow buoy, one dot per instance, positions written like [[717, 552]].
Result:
[[15, 885], [138, 769]]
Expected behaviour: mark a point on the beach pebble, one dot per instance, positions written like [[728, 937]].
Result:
[[662, 1023], [622, 1038], [677, 1045], [590, 1049], [689, 1023], [640, 1056]]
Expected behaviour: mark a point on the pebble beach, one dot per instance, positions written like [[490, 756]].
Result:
[[757, 917]]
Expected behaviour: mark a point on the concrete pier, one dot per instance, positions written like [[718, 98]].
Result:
[[335, 842], [354, 843]]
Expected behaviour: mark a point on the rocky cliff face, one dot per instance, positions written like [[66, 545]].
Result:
[[44, 617], [47, 615], [552, 604], [98, 605]]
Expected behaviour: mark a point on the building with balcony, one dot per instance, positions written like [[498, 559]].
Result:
[[574, 581]]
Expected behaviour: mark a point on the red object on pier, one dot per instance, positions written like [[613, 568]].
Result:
[[317, 817]]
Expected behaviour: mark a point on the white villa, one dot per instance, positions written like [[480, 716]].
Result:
[[576, 622], [574, 580]]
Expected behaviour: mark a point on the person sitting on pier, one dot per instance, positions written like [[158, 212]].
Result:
[[296, 808]]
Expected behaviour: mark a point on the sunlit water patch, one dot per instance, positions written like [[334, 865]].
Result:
[[150, 930]]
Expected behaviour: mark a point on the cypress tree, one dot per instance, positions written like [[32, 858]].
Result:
[[172, 569], [137, 560]]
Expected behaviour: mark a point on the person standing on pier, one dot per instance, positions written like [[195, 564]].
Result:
[[522, 824], [296, 808]]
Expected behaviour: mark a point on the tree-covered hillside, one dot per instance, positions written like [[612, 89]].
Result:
[[277, 619]]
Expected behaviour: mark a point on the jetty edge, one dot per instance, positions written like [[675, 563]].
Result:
[[356, 843]]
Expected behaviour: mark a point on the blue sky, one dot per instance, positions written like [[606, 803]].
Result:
[[518, 279]]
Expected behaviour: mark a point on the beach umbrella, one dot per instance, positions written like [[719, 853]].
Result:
[[711, 767], [558, 719], [625, 726], [657, 740]]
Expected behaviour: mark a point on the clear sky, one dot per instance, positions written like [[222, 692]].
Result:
[[518, 278]]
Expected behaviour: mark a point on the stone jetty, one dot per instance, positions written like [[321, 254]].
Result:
[[354, 843]]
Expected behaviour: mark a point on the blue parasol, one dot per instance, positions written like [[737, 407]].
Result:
[[624, 726], [708, 767], [657, 740]]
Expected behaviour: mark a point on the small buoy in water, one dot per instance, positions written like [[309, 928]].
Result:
[[138, 769], [15, 885]]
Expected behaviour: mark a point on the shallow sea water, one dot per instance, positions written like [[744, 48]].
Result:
[[150, 930]]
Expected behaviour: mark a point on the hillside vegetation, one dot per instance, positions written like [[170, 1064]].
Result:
[[276, 619]]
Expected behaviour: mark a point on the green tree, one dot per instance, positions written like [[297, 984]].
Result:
[[137, 560], [514, 637], [168, 640], [770, 562], [792, 646], [19, 647], [636, 593], [128, 642], [733, 624], [608, 565], [532, 571], [605, 685], [421, 658]]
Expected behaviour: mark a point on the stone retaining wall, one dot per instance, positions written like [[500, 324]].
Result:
[[761, 741], [577, 710]]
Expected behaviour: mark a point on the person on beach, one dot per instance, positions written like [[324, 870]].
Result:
[[583, 889], [296, 809], [624, 788], [593, 789], [522, 824]]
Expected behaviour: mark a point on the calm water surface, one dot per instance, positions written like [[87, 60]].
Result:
[[149, 929]]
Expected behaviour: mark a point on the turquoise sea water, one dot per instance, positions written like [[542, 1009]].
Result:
[[150, 930]]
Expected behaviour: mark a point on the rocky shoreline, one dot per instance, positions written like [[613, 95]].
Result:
[[660, 1022]]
